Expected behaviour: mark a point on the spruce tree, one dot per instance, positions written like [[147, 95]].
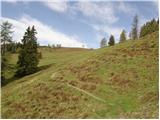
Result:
[[6, 38], [122, 36], [135, 28], [28, 57], [142, 31], [103, 43], [149, 27], [6, 35], [130, 35], [111, 41]]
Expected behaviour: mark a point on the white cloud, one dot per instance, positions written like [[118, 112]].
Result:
[[46, 35], [127, 8], [58, 6], [95, 11], [99, 11]]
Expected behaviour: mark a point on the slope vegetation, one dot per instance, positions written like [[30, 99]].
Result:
[[112, 82]]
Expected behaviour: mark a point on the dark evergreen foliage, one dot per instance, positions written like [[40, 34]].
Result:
[[28, 57], [103, 42], [123, 36], [134, 32], [149, 27], [58, 45], [6, 38], [6, 35], [111, 41]]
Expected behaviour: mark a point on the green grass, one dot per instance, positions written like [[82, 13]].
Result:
[[124, 77]]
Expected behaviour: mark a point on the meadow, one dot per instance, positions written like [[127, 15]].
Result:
[[120, 81]]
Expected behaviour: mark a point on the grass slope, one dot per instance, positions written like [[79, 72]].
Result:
[[113, 82]]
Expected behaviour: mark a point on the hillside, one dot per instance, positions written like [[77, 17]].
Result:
[[112, 82]]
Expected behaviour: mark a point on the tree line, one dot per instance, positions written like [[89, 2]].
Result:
[[147, 28]]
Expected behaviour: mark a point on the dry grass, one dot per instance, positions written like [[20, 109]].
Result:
[[125, 76]]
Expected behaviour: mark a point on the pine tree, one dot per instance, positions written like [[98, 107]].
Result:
[[6, 38], [58, 46], [155, 25], [28, 57], [103, 42], [111, 41], [6, 35], [149, 27], [49, 46], [53, 46], [130, 35], [11, 47], [142, 31], [135, 28], [122, 36], [158, 24]]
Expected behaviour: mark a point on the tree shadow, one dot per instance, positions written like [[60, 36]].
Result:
[[44, 67], [16, 78]]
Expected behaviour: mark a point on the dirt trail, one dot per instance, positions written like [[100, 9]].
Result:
[[53, 75], [83, 91], [89, 94]]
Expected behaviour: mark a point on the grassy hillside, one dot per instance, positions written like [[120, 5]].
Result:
[[112, 82]]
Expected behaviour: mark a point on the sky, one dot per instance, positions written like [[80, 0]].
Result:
[[82, 23]]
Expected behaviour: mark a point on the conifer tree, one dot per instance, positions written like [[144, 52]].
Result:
[[103, 43], [111, 41], [28, 57], [135, 28], [6, 38], [6, 35], [123, 36], [130, 35], [149, 27]]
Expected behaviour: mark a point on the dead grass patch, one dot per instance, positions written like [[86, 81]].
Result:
[[18, 107], [149, 97]]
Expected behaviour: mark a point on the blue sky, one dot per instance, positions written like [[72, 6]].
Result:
[[76, 23]]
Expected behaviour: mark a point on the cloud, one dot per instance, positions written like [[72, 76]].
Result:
[[99, 11], [100, 15], [95, 11], [58, 6], [46, 34], [156, 4], [127, 8]]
